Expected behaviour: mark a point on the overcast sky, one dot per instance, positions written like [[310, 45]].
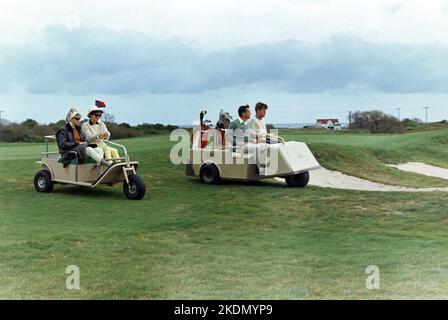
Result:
[[164, 61]]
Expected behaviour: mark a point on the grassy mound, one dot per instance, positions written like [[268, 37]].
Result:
[[365, 155]]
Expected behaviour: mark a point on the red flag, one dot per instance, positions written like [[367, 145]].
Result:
[[100, 104]]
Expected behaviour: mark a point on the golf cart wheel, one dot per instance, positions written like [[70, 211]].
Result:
[[42, 181], [209, 174], [298, 180], [135, 189]]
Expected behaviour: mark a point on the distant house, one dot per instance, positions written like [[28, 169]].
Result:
[[329, 124]]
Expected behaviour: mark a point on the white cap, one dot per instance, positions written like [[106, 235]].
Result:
[[93, 109]]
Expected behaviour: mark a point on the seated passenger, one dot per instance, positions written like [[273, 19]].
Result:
[[240, 137], [96, 132], [238, 134], [71, 138], [257, 125]]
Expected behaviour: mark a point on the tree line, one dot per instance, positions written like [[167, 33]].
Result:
[[376, 121], [373, 121], [32, 131]]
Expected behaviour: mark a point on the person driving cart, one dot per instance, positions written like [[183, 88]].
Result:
[[96, 133], [257, 125], [72, 142]]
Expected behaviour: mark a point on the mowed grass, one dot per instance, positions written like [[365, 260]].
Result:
[[185, 240], [365, 155]]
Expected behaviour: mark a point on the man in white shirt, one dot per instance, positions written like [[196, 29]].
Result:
[[257, 125], [259, 135]]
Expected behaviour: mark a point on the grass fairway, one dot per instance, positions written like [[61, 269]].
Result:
[[185, 240]]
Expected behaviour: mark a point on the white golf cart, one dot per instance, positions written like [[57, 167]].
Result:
[[213, 161], [87, 174]]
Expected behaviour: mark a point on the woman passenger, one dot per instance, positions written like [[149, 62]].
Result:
[[96, 132], [71, 138]]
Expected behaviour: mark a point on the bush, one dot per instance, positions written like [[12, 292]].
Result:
[[31, 131], [55, 126], [29, 123], [120, 132], [148, 128], [24, 132], [411, 124], [376, 122]]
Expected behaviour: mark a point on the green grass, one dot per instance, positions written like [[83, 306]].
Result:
[[430, 126], [233, 241], [365, 155]]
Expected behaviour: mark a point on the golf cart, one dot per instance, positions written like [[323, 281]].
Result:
[[87, 174], [212, 159]]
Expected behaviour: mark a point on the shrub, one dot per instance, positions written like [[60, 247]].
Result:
[[31, 131], [376, 122]]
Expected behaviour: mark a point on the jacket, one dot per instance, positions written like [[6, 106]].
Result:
[[66, 143], [237, 132]]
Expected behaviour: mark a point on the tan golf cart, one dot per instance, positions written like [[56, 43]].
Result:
[[213, 161], [87, 174]]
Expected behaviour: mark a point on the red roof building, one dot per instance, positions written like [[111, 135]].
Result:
[[329, 124]]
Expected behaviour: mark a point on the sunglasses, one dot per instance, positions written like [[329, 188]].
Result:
[[97, 115], [77, 119]]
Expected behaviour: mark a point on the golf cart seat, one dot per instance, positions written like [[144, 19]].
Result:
[[73, 161]]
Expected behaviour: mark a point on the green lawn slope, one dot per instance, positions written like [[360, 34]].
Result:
[[365, 155], [262, 240]]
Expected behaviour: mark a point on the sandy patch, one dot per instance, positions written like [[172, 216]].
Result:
[[422, 168], [333, 179]]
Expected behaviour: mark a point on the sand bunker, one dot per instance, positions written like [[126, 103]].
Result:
[[333, 179], [422, 168]]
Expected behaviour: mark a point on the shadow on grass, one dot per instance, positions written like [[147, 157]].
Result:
[[108, 192], [258, 183]]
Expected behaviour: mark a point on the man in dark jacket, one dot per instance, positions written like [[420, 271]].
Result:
[[72, 142], [237, 134]]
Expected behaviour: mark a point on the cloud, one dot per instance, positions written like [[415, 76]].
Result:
[[394, 7], [85, 61]]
